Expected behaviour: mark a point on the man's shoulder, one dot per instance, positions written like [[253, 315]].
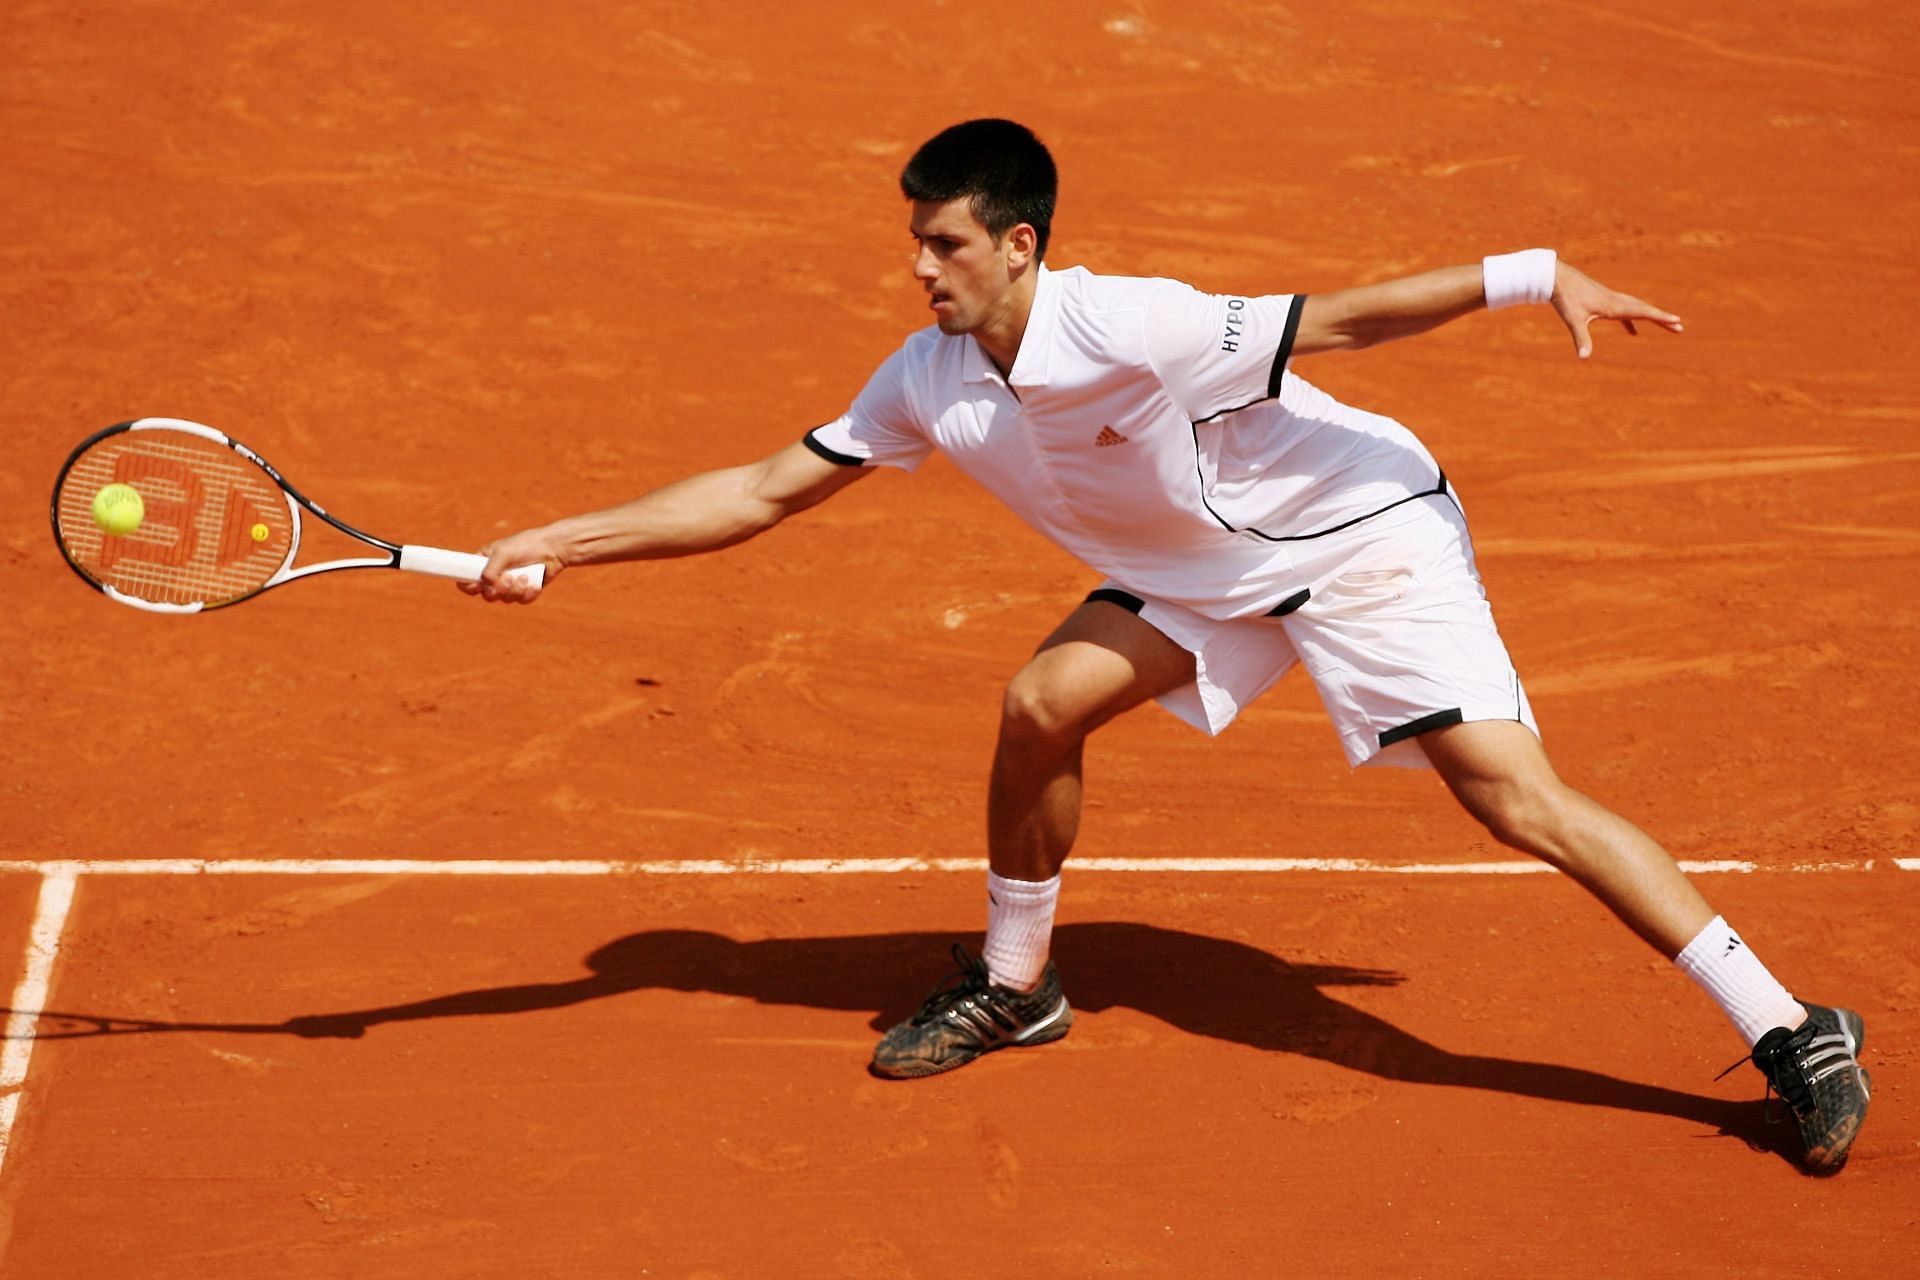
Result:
[[925, 362], [922, 343], [926, 352], [1097, 291], [918, 351]]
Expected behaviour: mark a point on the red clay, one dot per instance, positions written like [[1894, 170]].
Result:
[[456, 274]]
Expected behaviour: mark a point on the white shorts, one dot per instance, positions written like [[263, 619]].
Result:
[[1397, 636]]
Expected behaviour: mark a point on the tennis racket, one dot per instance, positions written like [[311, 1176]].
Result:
[[219, 524]]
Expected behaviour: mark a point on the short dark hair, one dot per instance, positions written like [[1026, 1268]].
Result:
[[1003, 171]]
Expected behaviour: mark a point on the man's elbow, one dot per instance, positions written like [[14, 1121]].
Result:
[[1358, 338], [1329, 323]]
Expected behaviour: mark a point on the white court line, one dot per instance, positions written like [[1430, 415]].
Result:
[[30, 996], [60, 875], [839, 866], [318, 867]]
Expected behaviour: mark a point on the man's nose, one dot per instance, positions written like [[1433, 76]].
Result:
[[925, 265]]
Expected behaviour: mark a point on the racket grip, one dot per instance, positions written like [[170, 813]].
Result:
[[464, 566]]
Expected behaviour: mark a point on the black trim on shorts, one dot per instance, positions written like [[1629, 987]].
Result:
[[836, 458], [1133, 603], [1114, 595], [1291, 603], [1414, 728]]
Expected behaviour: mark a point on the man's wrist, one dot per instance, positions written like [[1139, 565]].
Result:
[[1510, 279]]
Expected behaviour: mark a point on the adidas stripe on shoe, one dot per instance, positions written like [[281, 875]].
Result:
[[968, 1015], [1815, 1068]]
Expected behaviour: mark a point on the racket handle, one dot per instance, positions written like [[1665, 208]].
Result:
[[464, 566]]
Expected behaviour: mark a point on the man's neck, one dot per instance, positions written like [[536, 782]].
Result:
[[1001, 334]]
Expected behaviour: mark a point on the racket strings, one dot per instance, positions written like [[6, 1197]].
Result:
[[216, 527]]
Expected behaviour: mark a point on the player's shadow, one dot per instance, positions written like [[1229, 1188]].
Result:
[[1207, 986]]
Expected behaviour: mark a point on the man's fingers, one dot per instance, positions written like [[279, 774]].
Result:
[[478, 588], [1665, 319], [495, 584], [1580, 323], [1627, 308], [1577, 318]]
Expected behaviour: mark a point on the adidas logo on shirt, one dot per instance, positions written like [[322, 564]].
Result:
[[1108, 436]]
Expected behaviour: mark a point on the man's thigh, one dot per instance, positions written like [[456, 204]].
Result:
[[1099, 662]]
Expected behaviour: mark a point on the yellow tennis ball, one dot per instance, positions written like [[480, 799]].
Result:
[[260, 533], [119, 509]]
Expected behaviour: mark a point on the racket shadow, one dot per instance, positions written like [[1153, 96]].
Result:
[[1206, 986]]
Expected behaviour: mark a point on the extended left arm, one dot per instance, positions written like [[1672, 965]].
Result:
[[1350, 319]]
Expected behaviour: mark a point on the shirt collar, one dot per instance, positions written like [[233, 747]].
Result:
[[1036, 344]]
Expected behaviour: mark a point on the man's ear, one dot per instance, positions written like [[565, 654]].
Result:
[[1020, 244]]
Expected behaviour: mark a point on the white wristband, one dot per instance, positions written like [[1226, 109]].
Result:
[[1510, 279]]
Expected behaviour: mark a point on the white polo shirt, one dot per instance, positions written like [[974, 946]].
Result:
[[1150, 430]]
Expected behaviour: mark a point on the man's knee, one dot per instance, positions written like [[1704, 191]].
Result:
[[1502, 777], [1528, 814], [1102, 661], [1039, 712]]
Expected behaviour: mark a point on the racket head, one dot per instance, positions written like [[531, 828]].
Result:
[[219, 524]]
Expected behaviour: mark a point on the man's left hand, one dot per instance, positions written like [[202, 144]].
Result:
[[1580, 300]]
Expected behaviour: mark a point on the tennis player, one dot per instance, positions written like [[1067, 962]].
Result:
[[1246, 523]]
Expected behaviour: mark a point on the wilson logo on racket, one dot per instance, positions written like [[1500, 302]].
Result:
[[175, 502], [212, 524]]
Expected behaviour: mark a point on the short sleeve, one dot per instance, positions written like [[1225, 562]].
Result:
[[1215, 352], [881, 428]]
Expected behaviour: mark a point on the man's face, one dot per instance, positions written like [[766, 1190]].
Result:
[[964, 270]]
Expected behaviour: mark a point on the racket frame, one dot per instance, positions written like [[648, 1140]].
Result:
[[458, 565]]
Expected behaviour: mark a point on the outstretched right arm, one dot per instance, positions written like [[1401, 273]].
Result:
[[704, 512]]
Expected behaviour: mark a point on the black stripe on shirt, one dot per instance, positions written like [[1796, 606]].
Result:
[[836, 458], [1439, 490], [1281, 355], [1286, 345]]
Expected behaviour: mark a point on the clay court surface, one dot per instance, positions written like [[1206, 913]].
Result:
[[457, 272]]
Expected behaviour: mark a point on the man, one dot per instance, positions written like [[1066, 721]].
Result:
[[1246, 522]]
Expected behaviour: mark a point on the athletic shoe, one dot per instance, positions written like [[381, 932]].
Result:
[[968, 1015], [1816, 1069]]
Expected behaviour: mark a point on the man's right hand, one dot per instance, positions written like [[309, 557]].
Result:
[[533, 546]]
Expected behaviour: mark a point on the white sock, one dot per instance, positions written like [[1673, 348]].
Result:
[[1726, 969], [1019, 928]]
